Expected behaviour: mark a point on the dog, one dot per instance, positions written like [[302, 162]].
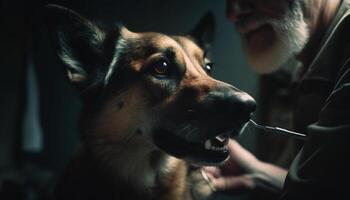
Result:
[[151, 111]]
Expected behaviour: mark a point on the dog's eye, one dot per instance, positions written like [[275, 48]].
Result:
[[208, 67], [160, 68]]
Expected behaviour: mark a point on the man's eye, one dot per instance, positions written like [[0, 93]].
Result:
[[208, 67]]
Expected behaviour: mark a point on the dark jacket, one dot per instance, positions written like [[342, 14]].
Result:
[[321, 170]]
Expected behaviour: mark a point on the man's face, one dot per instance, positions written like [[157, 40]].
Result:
[[272, 31]]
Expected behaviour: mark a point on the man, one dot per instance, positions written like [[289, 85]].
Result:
[[314, 33]]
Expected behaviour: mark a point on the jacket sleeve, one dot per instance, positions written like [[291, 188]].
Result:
[[321, 170]]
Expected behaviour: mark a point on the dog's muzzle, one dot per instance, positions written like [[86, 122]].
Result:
[[203, 141]]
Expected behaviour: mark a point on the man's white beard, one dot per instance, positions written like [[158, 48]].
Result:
[[292, 34]]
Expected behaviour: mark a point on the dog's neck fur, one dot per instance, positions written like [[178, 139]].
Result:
[[146, 173], [133, 162]]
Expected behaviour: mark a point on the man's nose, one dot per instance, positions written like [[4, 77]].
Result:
[[237, 9]]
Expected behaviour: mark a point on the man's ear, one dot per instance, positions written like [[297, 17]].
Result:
[[203, 33], [84, 48]]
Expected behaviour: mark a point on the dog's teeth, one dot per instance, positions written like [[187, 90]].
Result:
[[207, 145], [220, 138]]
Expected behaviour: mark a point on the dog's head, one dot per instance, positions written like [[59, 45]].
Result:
[[149, 91]]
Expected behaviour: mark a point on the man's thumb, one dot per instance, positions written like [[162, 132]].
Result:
[[242, 182]]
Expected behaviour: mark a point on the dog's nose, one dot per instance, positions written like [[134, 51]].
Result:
[[230, 104]]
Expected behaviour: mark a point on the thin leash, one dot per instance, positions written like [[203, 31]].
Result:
[[279, 131]]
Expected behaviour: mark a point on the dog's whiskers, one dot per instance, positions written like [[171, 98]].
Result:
[[187, 130], [192, 132], [183, 128]]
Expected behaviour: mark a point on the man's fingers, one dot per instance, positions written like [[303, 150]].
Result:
[[212, 171], [233, 183], [210, 176]]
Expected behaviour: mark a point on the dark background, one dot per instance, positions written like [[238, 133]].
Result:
[[38, 108]]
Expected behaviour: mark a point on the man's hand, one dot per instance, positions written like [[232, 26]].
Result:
[[243, 171]]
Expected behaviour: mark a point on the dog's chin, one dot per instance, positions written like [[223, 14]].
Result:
[[212, 151]]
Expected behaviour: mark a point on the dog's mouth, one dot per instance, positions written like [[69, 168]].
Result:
[[211, 151]]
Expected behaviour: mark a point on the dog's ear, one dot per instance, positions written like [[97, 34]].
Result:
[[85, 48], [203, 33]]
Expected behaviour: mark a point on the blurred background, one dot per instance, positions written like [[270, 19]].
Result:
[[39, 109]]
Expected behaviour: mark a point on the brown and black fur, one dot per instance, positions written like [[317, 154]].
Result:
[[150, 104]]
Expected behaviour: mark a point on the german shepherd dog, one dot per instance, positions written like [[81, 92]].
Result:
[[150, 109]]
